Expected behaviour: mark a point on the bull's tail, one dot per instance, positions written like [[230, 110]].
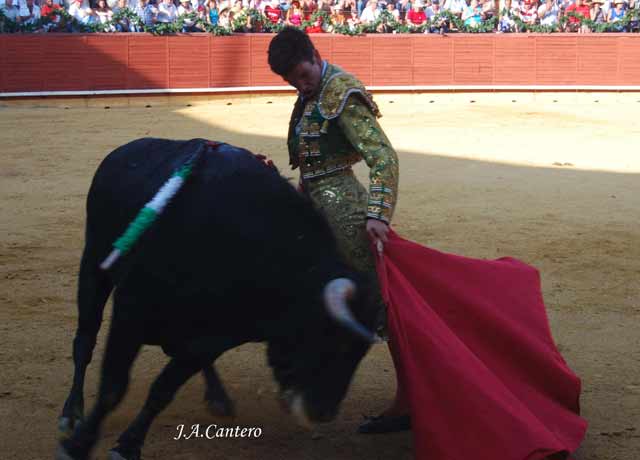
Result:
[[150, 212]]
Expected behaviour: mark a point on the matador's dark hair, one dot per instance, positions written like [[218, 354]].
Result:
[[288, 49]]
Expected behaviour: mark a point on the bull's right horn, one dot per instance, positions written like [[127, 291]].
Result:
[[336, 293]]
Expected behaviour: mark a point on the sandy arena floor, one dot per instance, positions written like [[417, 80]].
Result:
[[551, 179]]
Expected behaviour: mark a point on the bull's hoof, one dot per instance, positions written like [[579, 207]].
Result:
[[66, 426], [115, 454], [220, 407]]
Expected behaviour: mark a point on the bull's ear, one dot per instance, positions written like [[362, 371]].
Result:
[[336, 295]]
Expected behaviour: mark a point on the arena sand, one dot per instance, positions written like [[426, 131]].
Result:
[[553, 179]]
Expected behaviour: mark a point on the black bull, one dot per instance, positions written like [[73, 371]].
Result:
[[237, 256]]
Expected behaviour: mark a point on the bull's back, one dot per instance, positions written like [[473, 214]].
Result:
[[234, 223], [131, 175]]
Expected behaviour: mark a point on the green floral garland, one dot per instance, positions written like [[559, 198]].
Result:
[[255, 20], [631, 15]]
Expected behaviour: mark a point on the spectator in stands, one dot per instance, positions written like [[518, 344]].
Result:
[[455, 6], [506, 22], [258, 4], [370, 13], [634, 24], [284, 6], [404, 6], [337, 17], [82, 14], [197, 4], [354, 21], [148, 12], [123, 24], [439, 23], [11, 11], [167, 12], [472, 14], [432, 10], [582, 11], [597, 14], [416, 16], [294, 14], [338, 7], [393, 11], [308, 8], [29, 12], [325, 6], [201, 10], [104, 14], [49, 10], [317, 27], [529, 11], [187, 11], [549, 13], [616, 14], [225, 17], [346, 7], [273, 12], [235, 8], [213, 13], [386, 18], [488, 8]]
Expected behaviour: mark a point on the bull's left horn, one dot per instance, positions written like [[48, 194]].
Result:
[[336, 293]]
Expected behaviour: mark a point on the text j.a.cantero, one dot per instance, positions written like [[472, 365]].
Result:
[[197, 431]]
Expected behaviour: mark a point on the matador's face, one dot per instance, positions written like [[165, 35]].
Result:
[[306, 76]]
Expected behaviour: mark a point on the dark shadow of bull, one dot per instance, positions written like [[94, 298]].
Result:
[[237, 256]]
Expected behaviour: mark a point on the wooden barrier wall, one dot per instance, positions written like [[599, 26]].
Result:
[[60, 62]]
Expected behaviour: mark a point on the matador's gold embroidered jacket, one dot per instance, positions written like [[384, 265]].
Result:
[[337, 129]]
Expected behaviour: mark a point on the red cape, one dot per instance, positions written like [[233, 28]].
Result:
[[475, 357]]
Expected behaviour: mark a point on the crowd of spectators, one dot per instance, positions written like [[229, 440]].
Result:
[[317, 16]]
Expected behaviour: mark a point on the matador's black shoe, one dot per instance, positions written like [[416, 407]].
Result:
[[385, 424]]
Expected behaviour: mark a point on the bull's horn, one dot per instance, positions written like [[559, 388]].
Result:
[[336, 293]]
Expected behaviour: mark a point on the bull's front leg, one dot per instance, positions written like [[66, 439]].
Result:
[[191, 359], [122, 348], [216, 398], [162, 392], [94, 288]]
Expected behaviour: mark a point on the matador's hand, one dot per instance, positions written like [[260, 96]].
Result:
[[377, 231]]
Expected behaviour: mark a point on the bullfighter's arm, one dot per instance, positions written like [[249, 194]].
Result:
[[367, 137]]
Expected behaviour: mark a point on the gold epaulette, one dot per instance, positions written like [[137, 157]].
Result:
[[333, 96]]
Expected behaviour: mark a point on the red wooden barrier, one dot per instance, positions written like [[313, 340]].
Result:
[[107, 62], [94, 62]]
